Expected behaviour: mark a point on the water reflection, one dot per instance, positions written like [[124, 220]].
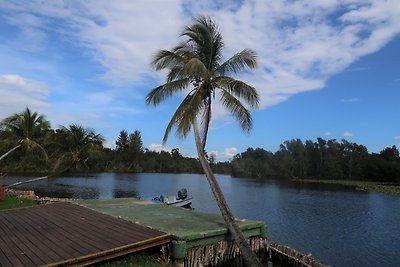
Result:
[[336, 224]]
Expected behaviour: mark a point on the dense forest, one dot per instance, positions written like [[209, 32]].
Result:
[[29, 146], [79, 150], [323, 159]]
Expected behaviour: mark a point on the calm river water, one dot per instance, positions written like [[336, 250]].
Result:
[[337, 225]]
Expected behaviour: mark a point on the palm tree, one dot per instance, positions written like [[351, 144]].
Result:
[[196, 65], [78, 144], [25, 126]]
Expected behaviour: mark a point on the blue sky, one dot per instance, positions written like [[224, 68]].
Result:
[[327, 68]]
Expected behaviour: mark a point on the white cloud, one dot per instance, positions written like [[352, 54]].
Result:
[[347, 134], [158, 148], [300, 44], [17, 92], [24, 85], [121, 36], [225, 155], [215, 152], [230, 152], [328, 133], [31, 35], [350, 100], [101, 98], [397, 137]]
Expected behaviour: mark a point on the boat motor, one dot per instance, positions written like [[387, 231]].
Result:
[[182, 194]]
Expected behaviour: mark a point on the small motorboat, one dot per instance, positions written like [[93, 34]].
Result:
[[181, 200]]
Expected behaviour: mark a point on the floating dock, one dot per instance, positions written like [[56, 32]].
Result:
[[198, 239], [65, 234]]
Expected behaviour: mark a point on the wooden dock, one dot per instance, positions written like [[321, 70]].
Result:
[[198, 238], [65, 234]]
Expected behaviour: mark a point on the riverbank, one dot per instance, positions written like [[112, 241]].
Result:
[[379, 187], [15, 203]]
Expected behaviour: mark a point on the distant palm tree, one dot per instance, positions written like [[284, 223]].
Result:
[[78, 145], [25, 127], [197, 64]]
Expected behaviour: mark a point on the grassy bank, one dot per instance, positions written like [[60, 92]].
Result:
[[14, 203], [380, 187]]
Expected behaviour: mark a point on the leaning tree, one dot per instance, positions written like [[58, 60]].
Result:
[[25, 127], [195, 66]]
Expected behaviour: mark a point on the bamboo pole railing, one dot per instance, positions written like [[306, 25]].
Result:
[[27, 181]]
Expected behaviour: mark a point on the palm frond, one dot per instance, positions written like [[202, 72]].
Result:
[[240, 89], [195, 68], [235, 107], [30, 145], [79, 143], [64, 159], [189, 115], [162, 92], [166, 59], [246, 59], [98, 139], [207, 41], [26, 124], [184, 115], [176, 73], [42, 122], [185, 50]]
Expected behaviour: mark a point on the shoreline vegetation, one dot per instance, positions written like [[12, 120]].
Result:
[[13, 202], [368, 186], [29, 146]]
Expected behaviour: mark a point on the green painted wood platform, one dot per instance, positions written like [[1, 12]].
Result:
[[188, 228]]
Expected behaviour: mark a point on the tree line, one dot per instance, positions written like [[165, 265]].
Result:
[[322, 159], [28, 145], [35, 148]]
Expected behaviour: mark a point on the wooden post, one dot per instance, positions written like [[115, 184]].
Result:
[[179, 252]]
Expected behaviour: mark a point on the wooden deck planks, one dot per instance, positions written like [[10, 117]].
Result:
[[27, 247], [65, 235], [108, 223], [19, 230], [38, 231], [69, 234], [97, 224]]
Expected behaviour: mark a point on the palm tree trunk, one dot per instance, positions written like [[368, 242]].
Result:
[[9, 152], [244, 247]]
